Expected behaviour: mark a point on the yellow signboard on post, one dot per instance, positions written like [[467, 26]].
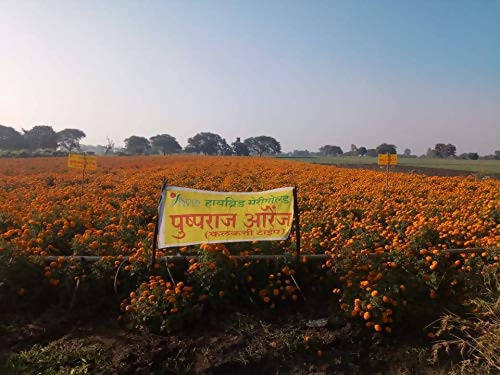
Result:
[[81, 162], [189, 216], [387, 159]]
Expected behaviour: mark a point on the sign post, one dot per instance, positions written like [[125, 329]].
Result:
[[155, 236], [83, 162], [387, 174], [83, 170], [387, 159], [296, 218]]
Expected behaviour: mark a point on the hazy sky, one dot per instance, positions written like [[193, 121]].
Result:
[[309, 73]]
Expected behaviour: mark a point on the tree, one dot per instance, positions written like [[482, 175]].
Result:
[[41, 136], [10, 139], [263, 145], [110, 146], [440, 150], [239, 148], [362, 151], [69, 139], [450, 149], [444, 151], [431, 153], [300, 153], [137, 145], [225, 148], [386, 148], [353, 151], [470, 156], [371, 152], [208, 144], [407, 152], [165, 143], [329, 150]]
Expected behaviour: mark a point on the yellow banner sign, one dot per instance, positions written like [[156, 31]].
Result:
[[387, 159], [189, 216], [79, 161]]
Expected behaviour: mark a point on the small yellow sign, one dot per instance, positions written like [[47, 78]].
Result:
[[189, 216], [82, 161], [387, 159]]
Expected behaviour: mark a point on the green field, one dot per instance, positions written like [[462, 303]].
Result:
[[476, 166]]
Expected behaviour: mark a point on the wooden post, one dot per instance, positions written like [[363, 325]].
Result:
[[296, 217], [155, 236], [387, 174], [83, 171]]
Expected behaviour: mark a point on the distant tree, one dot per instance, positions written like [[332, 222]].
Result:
[[225, 148], [444, 151], [407, 152], [473, 156], [239, 148], [362, 151], [353, 151], [137, 145], [41, 136], [97, 149], [329, 150], [69, 139], [386, 148], [497, 154], [451, 149], [208, 144], [263, 145], [110, 146], [300, 153], [440, 150], [10, 139], [371, 152], [165, 143], [431, 153]]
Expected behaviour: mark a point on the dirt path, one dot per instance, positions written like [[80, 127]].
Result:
[[418, 170]]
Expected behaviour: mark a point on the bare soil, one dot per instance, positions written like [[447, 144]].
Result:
[[249, 343]]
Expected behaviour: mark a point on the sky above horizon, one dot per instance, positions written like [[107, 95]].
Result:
[[307, 73]]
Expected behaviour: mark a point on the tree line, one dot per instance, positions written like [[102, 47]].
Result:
[[43, 137], [384, 148], [40, 137], [205, 143], [440, 150]]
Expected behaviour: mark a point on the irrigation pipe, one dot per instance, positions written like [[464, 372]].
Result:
[[183, 258]]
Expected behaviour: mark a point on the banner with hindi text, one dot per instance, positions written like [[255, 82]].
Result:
[[189, 216]]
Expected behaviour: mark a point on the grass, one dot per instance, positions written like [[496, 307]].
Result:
[[476, 166], [243, 344], [73, 357], [265, 341], [474, 338]]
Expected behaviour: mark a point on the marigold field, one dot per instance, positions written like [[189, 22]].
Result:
[[387, 263]]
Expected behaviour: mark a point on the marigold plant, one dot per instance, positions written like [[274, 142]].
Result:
[[386, 248]]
